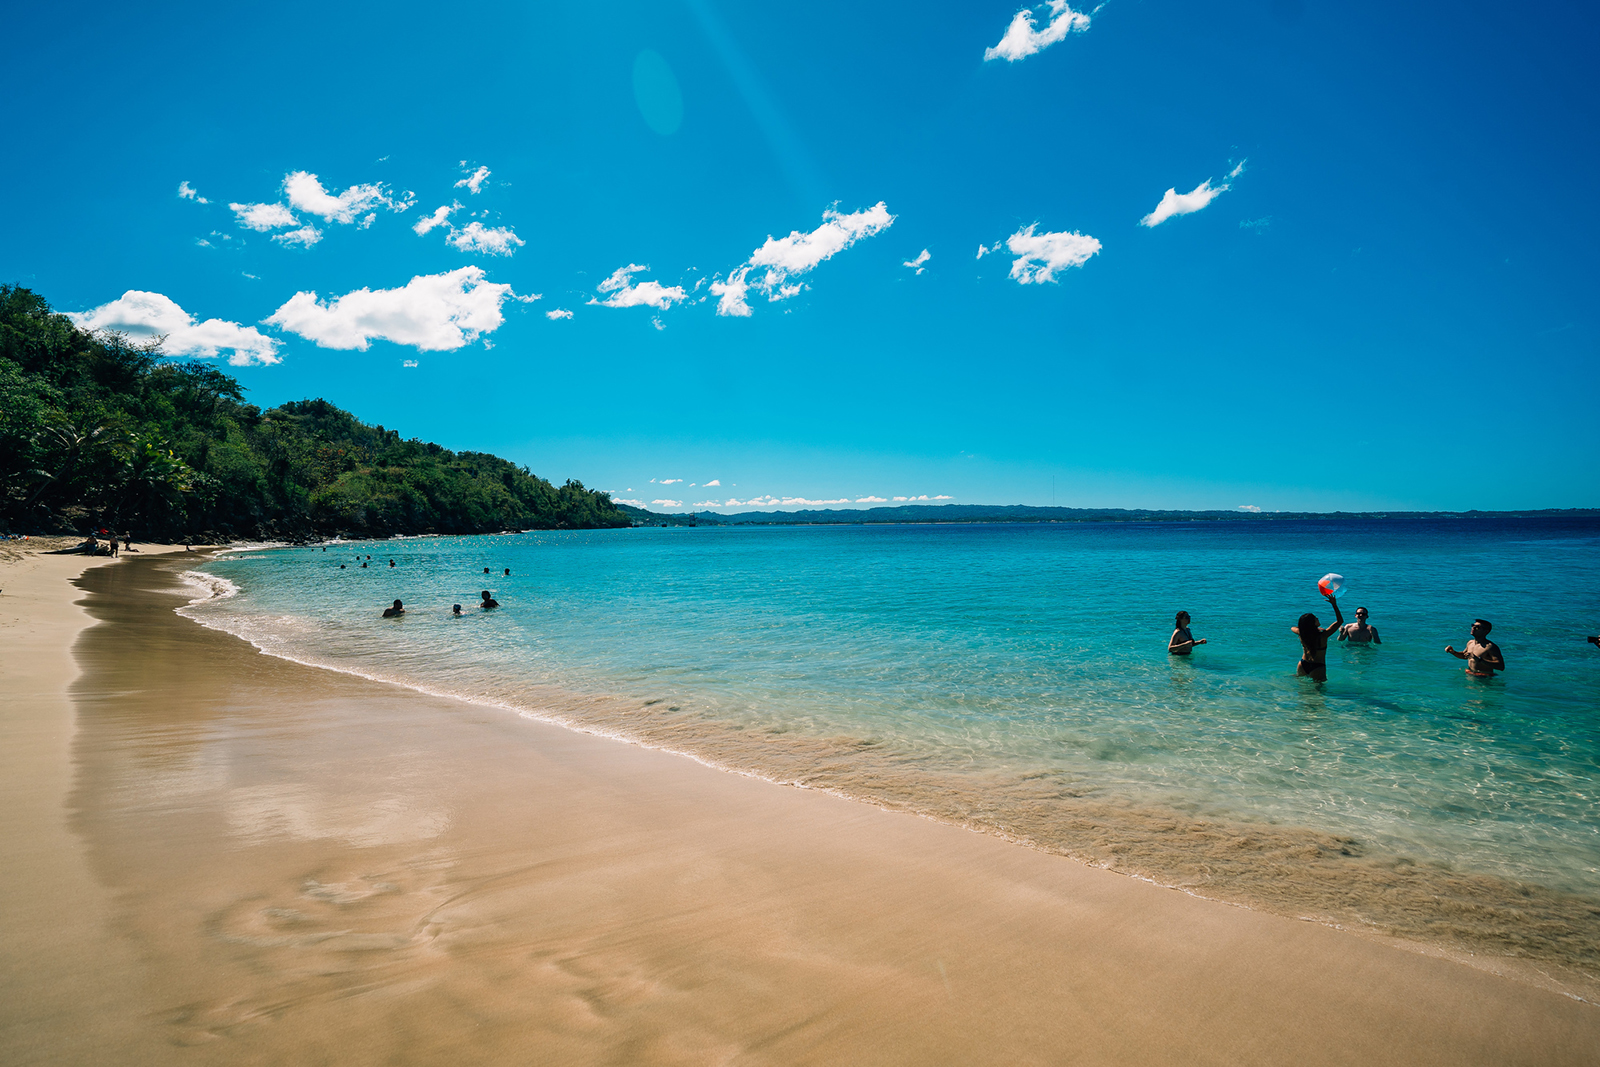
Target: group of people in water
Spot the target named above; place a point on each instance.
(486, 599)
(1483, 656)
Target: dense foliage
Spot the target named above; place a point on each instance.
(96, 430)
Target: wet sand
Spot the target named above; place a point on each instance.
(215, 856)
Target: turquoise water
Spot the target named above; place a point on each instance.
(1002, 674)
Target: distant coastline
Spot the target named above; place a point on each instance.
(1023, 513)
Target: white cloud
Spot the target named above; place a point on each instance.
(984, 251)
(630, 503)
(668, 503)
(147, 315)
(439, 217)
(917, 264)
(475, 237)
(305, 237)
(187, 192)
(899, 498)
(1041, 255)
(306, 193)
(557, 313)
(408, 363)
(800, 252)
(870, 500)
(625, 294)
(1023, 37)
(732, 294)
(668, 481)
(433, 312)
(366, 223)
(715, 482)
(474, 181)
(1176, 203)
(264, 217)
(707, 504)
(943, 497)
(1250, 508)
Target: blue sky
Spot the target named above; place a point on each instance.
(1372, 286)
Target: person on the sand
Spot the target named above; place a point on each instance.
(1182, 642)
(1483, 656)
(1359, 632)
(394, 612)
(1314, 642)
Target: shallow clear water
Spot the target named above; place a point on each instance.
(891, 661)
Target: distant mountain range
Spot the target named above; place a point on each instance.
(961, 513)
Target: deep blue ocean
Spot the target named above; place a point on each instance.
(921, 663)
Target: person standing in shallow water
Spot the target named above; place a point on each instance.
(1314, 642)
(394, 612)
(1359, 632)
(1483, 656)
(488, 601)
(1182, 641)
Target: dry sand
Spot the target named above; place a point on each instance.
(214, 856)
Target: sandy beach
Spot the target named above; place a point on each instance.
(215, 856)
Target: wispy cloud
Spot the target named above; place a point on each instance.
(625, 293)
(474, 181)
(1023, 37)
(1040, 256)
(305, 237)
(263, 217)
(433, 312)
(305, 193)
(440, 217)
(408, 363)
(187, 192)
(668, 503)
(148, 315)
(715, 483)
(630, 503)
(557, 313)
(917, 264)
(798, 253)
(475, 237)
(871, 500)
(1176, 203)
(732, 294)
(667, 481)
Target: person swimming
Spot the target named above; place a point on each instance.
(488, 601)
(391, 563)
(455, 609)
(508, 572)
(394, 612)
(1359, 632)
(1182, 641)
(1483, 656)
(1314, 642)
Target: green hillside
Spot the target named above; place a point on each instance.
(98, 431)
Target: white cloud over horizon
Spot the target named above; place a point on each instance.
(1040, 256)
(148, 315)
(431, 312)
(626, 294)
(1024, 38)
(474, 181)
(1176, 203)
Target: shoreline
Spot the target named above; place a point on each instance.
(298, 860)
(1546, 936)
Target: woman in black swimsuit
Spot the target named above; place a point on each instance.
(1314, 642)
